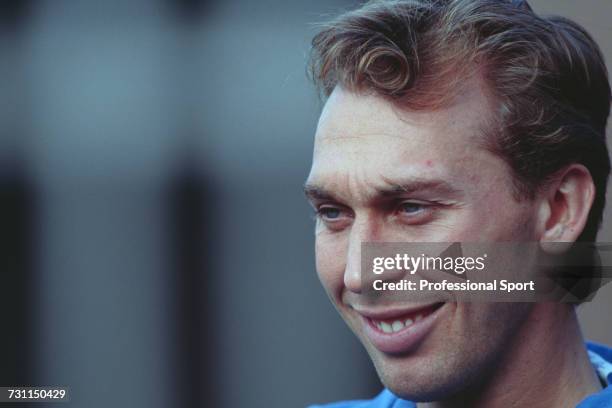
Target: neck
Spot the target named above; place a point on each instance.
(546, 365)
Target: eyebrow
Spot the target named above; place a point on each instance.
(314, 192)
(393, 189)
(414, 185)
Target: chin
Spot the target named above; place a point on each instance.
(419, 381)
(431, 376)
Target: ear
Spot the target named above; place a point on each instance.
(565, 207)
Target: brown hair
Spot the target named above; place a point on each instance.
(546, 74)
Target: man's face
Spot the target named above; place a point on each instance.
(389, 175)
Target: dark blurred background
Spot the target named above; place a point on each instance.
(156, 249)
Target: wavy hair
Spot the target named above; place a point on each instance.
(546, 75)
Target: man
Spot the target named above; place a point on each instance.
(451, 121)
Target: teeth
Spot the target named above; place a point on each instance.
(397, 326)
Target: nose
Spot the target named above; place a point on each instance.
(352, 271)
(361, 231)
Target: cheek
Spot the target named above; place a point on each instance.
(497, 217)
(485, 327)
(330, 254)
(513, 222)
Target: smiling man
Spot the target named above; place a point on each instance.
(461, 121)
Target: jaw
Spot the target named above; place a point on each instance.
(471, 339)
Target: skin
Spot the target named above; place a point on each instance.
(381, 173)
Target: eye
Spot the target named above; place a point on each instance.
(333, 218)
(410, 207)
(414, 212)
(328, 213)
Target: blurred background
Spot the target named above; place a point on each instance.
(156, 248)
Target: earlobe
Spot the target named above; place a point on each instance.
(565, 209)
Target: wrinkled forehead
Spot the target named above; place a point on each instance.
(364, 144)
(348, 114)
(370, 129)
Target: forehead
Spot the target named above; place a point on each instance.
(348, 114)
(365, 137)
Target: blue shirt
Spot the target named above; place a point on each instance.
(600, 356)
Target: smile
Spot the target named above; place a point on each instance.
(399, 331)
(396, 325)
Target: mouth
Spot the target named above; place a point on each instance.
(400, 331)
